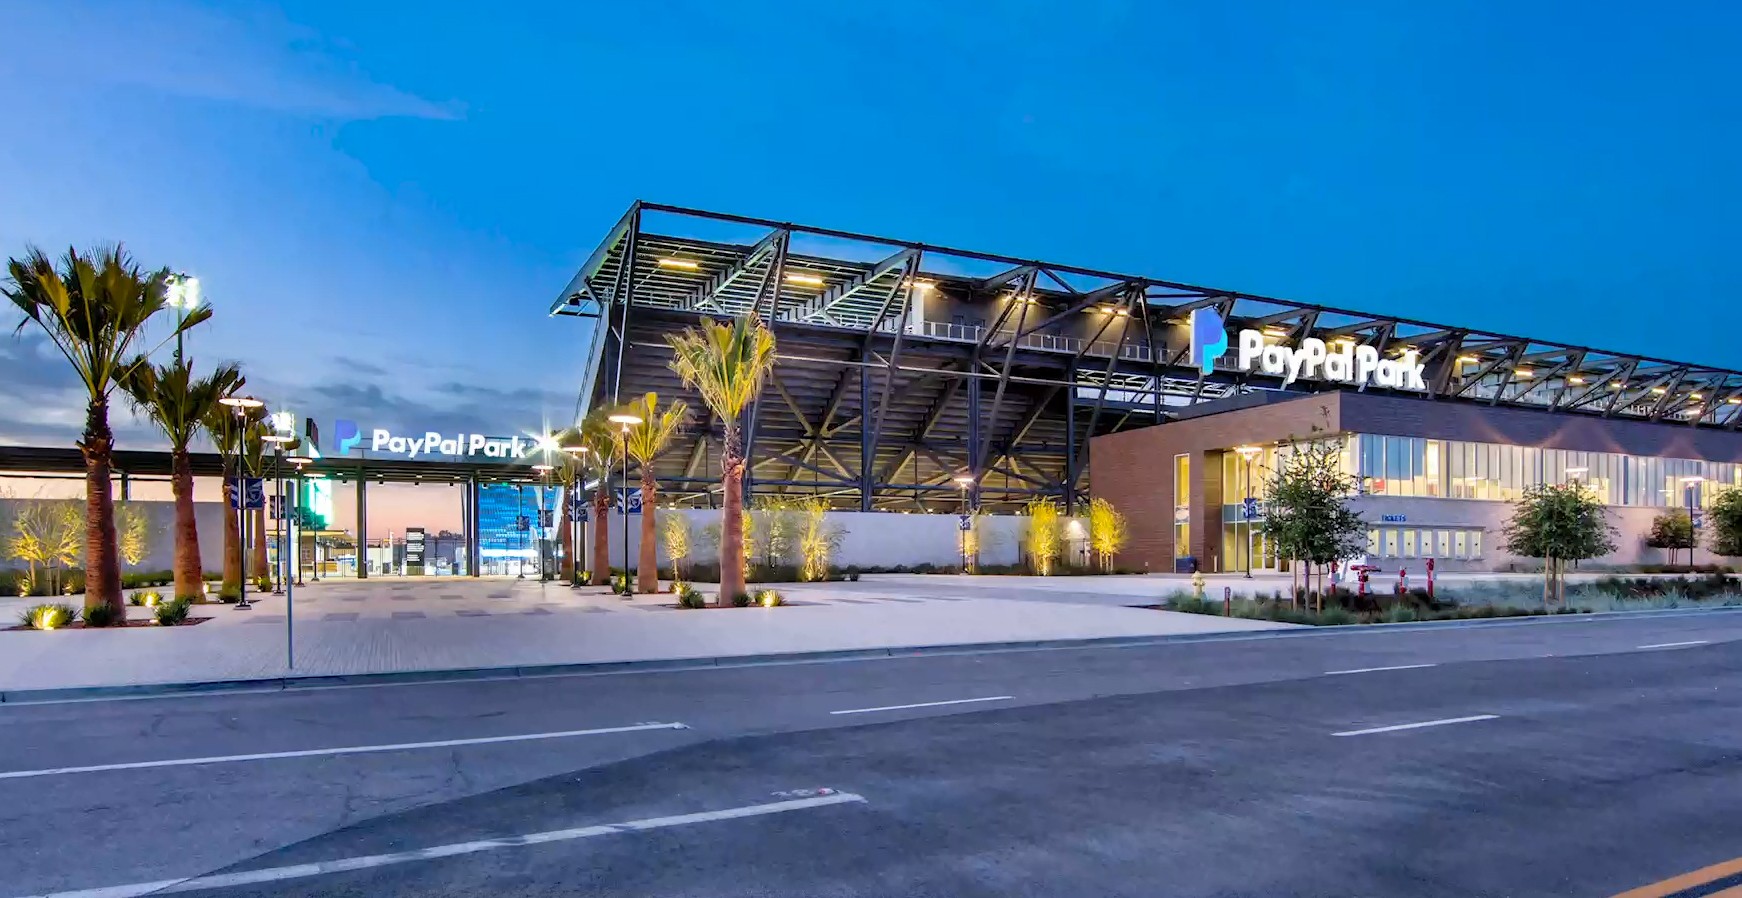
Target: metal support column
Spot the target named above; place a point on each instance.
(474, 539)
(362, 526)
(1071, 440)
(974, 457)
(867, 443)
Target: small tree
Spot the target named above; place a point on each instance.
(132, 532)
(977, 538)
(817, 539)
(1672, 530)
(780, 522)
(1307, 516)
(46, 534)
(674, 532)
(1108, 531)
(1558, 523)
(1724, 519)
(1045, 537)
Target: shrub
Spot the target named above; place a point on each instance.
(229, 593)
(853, 573)
(688, 596)
(741, 600)
(769, 598)
(103, 616)
(49, 616)
(147, 598)
(620, 585)
(1398, 614)
(171, 613)
(263, 583)
(1337, 615)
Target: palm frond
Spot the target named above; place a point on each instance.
(651, 437)
(726, 364)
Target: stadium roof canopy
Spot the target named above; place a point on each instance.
(904, 367)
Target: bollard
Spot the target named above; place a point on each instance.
(1430, 578)
(1402, 580)
(1227, 601)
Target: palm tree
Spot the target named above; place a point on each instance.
(227, 430)
(727, 365)
(646, 441)
(94, 308)
(600, 438)
(179, 405)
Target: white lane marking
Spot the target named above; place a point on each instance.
(345, 865)
(1671, 645)
(347, 750)
(1334, 673)
(955, 701)
(1417, 726)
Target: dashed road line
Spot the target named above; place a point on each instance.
(364, 862)
(1673, 645)
(1416, 726)
(347, 750)
(955, 701)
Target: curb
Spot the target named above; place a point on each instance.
(514, 672)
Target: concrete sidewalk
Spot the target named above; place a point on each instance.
(388, 626)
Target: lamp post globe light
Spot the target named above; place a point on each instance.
(628, 421)
(241, 406)
(575, 451)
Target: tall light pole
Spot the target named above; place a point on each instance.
(300, 462)
(1691, 490)
(278, 441)
(628, 421)
(543, 470)
(575, 451)
(183, 296)
(241, 406)
(966, 482)
(1247, 454)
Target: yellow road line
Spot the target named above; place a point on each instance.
(1687, 881)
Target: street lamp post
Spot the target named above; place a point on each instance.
(1248, 453)
(1691, 491)
(543, 470)
(628, 421)
(278, 441)
(300, 462)
(966, 482)
(575, 451)
(241, 405)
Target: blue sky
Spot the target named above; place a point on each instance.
(382, 199)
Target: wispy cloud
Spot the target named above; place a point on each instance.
(249, 56)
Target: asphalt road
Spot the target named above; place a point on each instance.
(1577, 757)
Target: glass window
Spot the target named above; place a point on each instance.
(1410, 543)
(1373, 542)
(1388, 542)
(1460, 544)
(1443, 543)
(1475, 544)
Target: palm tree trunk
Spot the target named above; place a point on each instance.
(232, 540)
(601, 560)
(102, 555)
(258, 565)
(732, 515)
(566, 531)
(647, 578)
(188, 571)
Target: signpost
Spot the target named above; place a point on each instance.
(629, 500)
(251, 494)
(414, 551)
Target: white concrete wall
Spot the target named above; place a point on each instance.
(1631, 524)
(869, 539)
(160, 543)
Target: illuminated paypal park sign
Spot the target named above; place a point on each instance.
(1313, 359)
(382, 441)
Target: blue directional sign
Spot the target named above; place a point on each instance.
(251, 495)
(629, 500)
(966, 523)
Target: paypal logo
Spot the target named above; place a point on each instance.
(1209, 339)
(345, 436)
